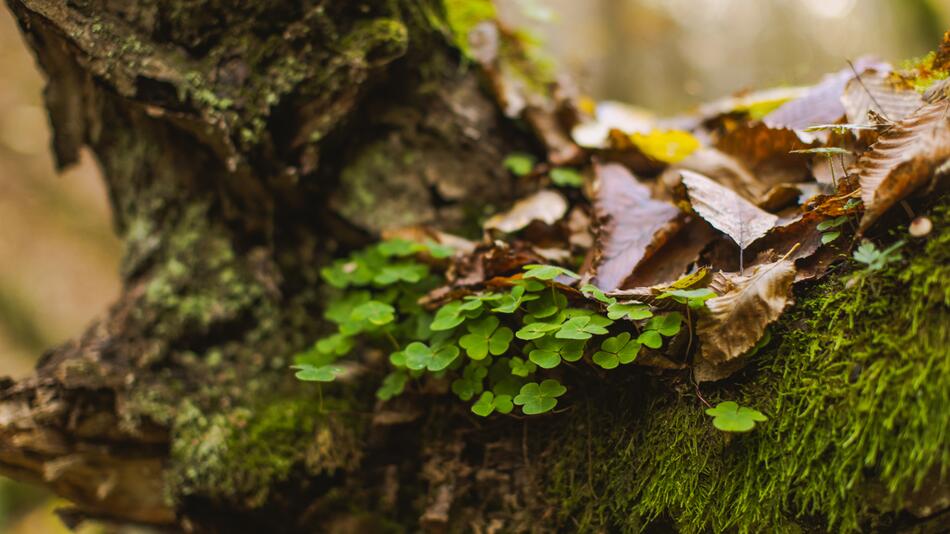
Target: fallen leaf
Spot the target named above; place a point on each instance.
(726, 211)
(903, 159)
(670, 146)
(675, 256)
(632, 224)
(546, 206)
(821, 104)
(875, 92)
(746, 305)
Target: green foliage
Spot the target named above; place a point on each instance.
(313, 373)
(825, 227)
(485, 337)
(519, 163)
(694, 298)
(547, 272)
(617, 350)
(730, 417)
(537, 398)
(488, 402)
(566, 177)
(509, 335)
(874, 259)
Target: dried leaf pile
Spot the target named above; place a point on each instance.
(738, 201)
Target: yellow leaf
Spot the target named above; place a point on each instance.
(671, 146)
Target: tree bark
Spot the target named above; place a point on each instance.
(242, 142)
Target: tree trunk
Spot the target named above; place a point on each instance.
(244, 143)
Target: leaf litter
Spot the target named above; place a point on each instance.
(695, 228)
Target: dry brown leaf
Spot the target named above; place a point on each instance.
(821, 104)
(903, 159)
(726, 211)
(875, 92)
(720, 167)
(746, 305)
(546, 206)
(632, 224)
(675, 257)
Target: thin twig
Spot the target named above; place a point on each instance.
(860, 81)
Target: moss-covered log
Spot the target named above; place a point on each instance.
(243, 143)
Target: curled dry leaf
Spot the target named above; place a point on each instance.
(546, 206)
(904, 158)
(726, 211)
(632, 224)
(746, 305)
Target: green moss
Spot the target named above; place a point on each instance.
(241, 453)
(857, 388)
(462, 16)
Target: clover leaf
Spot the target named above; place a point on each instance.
(634, 311)
(519, 163)
(313, 373)
(694, 298)
(337, 344)
(536, 330)
(668, 325)
(875, 259)
(401, 272)
(471, 382)
(547, 272)
(421, 356)
(399, 247)
(547, 305)
(617, 350)
(566, 177)
(550, 351)
(455, 313)
(832, 223)
(730, 417)
(374, 311)
(394, 384)
(583, 327)
(537, 398)
(488, 402)
(510, 302)
(521, 367)
(590, 290)
(828, 237)
(650, 338)
(486, 337)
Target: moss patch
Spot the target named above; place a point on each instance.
(857, 388)
(240, 454)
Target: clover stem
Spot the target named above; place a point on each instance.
(831, 163)
(689, 330)
(391, 339)
(320, 395)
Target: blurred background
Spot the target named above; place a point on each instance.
(59, 259)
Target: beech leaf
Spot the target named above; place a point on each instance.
(631, 224)
(546, 206)
(726, 211)
(903, 159)
(746, 306)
